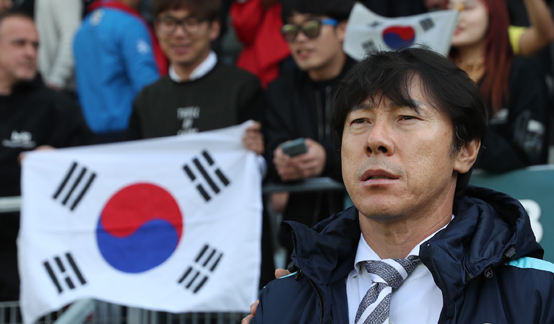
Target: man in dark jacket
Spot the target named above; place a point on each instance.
(32, 117)
(200, 93)
(410, 124)
(301, 105)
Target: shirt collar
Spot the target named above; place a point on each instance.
(366, 253)
(201, 70)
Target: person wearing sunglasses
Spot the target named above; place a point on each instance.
(301, 104)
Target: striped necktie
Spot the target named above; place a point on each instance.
(375, 306)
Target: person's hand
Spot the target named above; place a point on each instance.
(253, 138)
(302, 166)
(287, 170)
(39, 148)
(278, 274)
(253, 308)
(312, 163)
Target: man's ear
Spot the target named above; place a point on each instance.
(466, 156)
(341, 30)
(215, 28)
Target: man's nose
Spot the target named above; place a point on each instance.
(301, 37)
(31, 50)
(180, 31)
(379, 140)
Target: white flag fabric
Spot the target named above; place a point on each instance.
(367, 32)
(170, 224)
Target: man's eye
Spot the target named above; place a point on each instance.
(358, 121)
(407, 117)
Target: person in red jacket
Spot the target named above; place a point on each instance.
(258, 25)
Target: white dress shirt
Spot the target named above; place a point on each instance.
(201, 70)
(417, 301)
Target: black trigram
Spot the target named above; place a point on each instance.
(427, 24)
(74, 186)
(206, 261)
(200, 167)
(61, 271)
(374, 24)
(369, 47)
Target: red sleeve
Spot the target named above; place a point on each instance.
(246, 18)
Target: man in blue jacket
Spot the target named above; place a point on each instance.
(115, 57)
(419, 245)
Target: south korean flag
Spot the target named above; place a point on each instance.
(170, 224)
(367, 32)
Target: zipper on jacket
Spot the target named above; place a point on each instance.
(319, 298)
(440, 285)
(319, 116)
(328, 102)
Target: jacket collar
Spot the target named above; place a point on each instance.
(488, 226)
(303, 78)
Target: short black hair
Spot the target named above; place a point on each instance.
(205, 9)
(389, 74)
(336, 9)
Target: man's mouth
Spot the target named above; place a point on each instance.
(378, 175)
(303, 51)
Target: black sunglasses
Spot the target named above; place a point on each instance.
(310, 28)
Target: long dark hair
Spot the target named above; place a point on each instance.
(498, 54)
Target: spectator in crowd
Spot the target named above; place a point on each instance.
(32, 117)
(301, 105)
(115, 57)
(528, 40)
(419, 245)
(257, 24)
(513, 88)
(57, 21)
(200, 93)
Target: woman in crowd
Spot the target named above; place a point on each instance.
(513, 88)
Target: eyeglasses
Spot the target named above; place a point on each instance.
(310, 28)
(191, 25)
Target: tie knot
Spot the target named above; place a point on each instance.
(392, 271)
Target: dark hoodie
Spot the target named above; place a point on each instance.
(486, 262)
(300, 107)
(31, 116)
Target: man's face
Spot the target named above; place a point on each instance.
(320, 52)
(18, 49)
(188, 45)
(472, 25)
(398, 163)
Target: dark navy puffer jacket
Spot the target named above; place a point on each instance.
(486, 262)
